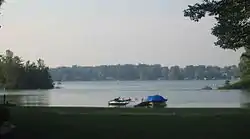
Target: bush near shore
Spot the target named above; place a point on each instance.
(243, 84)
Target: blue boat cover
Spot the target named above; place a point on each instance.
(156, 98)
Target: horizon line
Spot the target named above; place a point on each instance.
(206, 65)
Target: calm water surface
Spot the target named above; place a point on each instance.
(179, 94)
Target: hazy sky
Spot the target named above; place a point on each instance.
(94, 32)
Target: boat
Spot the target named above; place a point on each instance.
(143, 104)
(57, 85)
(119, 102)
(207, 88)
(155, 101)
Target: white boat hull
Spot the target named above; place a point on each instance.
(116, 103)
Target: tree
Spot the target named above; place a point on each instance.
(232, 16)
(14, 74)
(244, 65)
(175, 73)
(189, 72)
(1, 2)
(165, 72)
(232, 28)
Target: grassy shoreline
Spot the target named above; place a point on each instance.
(118, 111)
(132, 123)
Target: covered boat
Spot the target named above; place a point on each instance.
(156, 98)
(157, 101)
(153, 101)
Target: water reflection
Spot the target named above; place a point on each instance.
(25, 99)
(181, 94)
(66, 97)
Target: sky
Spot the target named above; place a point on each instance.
(97, 32)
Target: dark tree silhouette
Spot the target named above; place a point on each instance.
(15, 74)
(232, 16)
(232, 28)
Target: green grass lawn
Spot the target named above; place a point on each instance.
(129, 123)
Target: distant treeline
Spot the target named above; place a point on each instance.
(143, 72)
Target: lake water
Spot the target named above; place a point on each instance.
(95, 94)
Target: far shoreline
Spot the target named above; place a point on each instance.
(133, 80)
